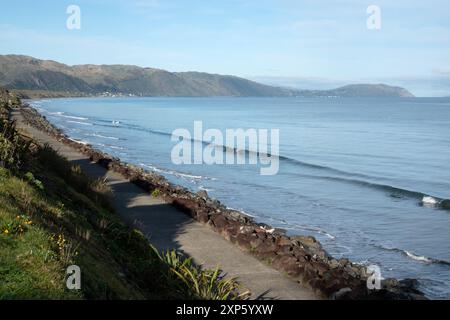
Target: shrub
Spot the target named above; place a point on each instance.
(66, 249)
(155, 193)
(101, 186)
(37, 183)
(204, 284)
(16, 226)
(13, 149)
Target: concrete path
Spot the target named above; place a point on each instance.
(168, 228)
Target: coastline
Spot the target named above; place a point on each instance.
(302, 258)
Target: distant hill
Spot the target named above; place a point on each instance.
(35, 77)
(361, 90)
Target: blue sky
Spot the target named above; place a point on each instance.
(304, 42)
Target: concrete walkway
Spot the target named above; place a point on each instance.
(168, 228)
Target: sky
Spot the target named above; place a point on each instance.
(309, 43)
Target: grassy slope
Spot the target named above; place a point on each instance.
(52, 216)
(45, 230)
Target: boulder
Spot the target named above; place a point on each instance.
(219, 222)
(283, 241)
(202, 216)
(288, 264)
(243, 240)
(268, 245)
(203, 194)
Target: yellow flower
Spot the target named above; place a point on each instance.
(6, 231)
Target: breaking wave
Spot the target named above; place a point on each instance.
(414, 256)
(80, 122)
(423, 199)
(63, 115)
(102, 136)
(178, 174)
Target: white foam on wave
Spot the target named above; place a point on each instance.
(313, 229)
(417, 258)
(427, 200)
(101, 136)
(410, 254)
(63, 115)
(72, 119)
(82, 123)
(75, 118)
(110, 146)
(115, 147)
(243, 212)
(79, 141)
(205, 189)
(192, 178)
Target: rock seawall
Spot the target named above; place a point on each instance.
(300, 257)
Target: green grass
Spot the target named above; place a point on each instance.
(29, 265)
(41, 235)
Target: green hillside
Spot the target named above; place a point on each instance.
(27, 73)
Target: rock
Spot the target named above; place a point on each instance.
(302, 259)
(202, 216)
(343, 262)
(186, 206)
(243, 241)
(285, 249)
(298, 251)
(214, 203)
(306, 240)
(333, 263)
(219, 222)
(255, 241)
(237, 216)
(288, 264)
(268, 245)
(309, 272)
(232, 228)
(261, 234)
(267, 257)
(321, 269)
(321, 255)
(246, 229)
(203, 194)
(283, 241)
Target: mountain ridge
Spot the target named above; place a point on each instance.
(28, 74)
